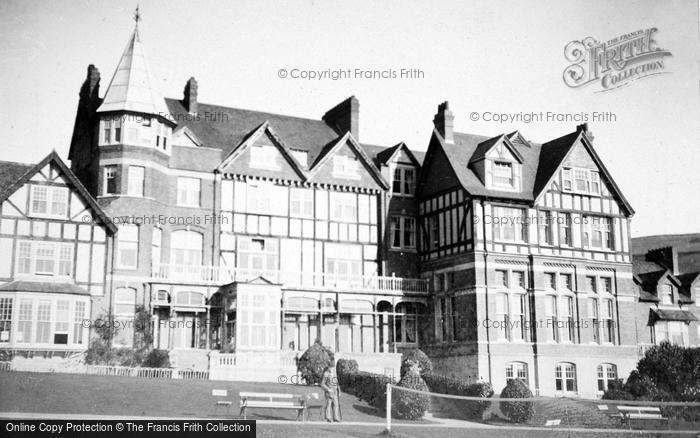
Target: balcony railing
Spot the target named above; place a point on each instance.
(313, 280)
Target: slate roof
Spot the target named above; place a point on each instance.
(43, 287)
(674, 315)
(10, 173)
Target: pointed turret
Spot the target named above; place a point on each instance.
(132, 86)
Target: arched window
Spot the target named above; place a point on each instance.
(186, 248)
(124, 302)
(190, 299)
(517, 370)
(565, 377)
(606, 373)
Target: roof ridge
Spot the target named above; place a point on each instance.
(251, 110)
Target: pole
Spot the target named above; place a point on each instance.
(388, 407)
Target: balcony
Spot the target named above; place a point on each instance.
(215, 275)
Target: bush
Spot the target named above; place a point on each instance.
(410, 405)
(313, 362)
(446, 385)
(671, 368)
(370, 388)
(157, 359)
(517, 412)
(416, 355)
(343, 368)
(98, 352)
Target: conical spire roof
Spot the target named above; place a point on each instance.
(132, 86)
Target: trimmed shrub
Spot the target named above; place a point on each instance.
(416, 355)
(616, 391)
(157, 359)
(447, 385)
(313, 362)
(343, 368)
(517, 412)
(409, 405)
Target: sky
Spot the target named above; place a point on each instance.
(485, 58)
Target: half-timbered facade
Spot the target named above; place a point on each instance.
(55, 245)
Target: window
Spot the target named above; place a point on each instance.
(78, 319)
(550, 281)
(263, 156)
(519, 279)
(404, 182)
(517, 370)
(60, 335)
(107, 131)
(501, 316)
(519, 323)
(666, 294)
(301, 203)
(565, 237)
(545, 228)
(188, 191)
(566, 282)
(5, 319)
(607, 372)
(509, 224)
(593, 312)
(258, 257)
(455, 318)
(43, 322)
(44, 258)
(675, 332)
(258, 197)
(127, 246)
(598, 232)
(608, 321)
(584, 181)
(606, 285)
(501, 278)
(503, 174)
(117, 130)
(190, 299)
(550, 312)
(403, 232)
(124, 302)
(345, 166)
(186, 249)
(565, 377)
(568, 319)
(110, 180)
(48, 201)
(136, 178)
(591, 285)
(24, 324)
(406, 321)
(301, 156)
(156, 243)
(343, 207)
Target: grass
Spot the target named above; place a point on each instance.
(100, 395)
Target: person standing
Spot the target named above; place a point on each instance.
(329, 384)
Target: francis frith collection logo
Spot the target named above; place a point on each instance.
(616, 62)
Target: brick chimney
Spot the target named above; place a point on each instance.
(584, 127)
(345, 117)
(444, 122)
(190, 96)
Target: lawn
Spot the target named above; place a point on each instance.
(100, 395)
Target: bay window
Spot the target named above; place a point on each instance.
(24, 325)
(60, 335)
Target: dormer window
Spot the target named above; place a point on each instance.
(579, 180)
(404, 183)
(503, 174)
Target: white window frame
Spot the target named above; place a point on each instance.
(189, 191)
(666, 294)
(127, 242)
(605, 372)
(405, 226)
(343, 207)
(54, 195)
(517, 370)
(602, 225)
(346, 167)
(498, 176)
(61, 258)
(110, 173)
(136, 181)
(258, 195)
(301, 203)
(563, 371)
(401, 181)
(590, 179)
(7, 305)
(505, 221)
(263, 157)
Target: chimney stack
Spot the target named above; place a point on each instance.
(93, 80)
(345, 117)
(584, 127)
(190, 98)
(667, 256)
(444, 122)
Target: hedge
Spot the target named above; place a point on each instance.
(448, 385)
(416, 356)
(517, 412)
(410, 405)
(343, 368)
(368, 387)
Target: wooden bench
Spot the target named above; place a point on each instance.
(221, 393)
(265, 400)
(629, 413)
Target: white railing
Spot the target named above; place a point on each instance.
(192, 375)
(313, 280)
(109, 370)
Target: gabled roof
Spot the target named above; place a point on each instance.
(485, 146)
(10, 173)
(9, 187)
(330, 149)
(388, 154)
(132, 87)
(250, 139)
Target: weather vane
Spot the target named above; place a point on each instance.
(137, 16)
